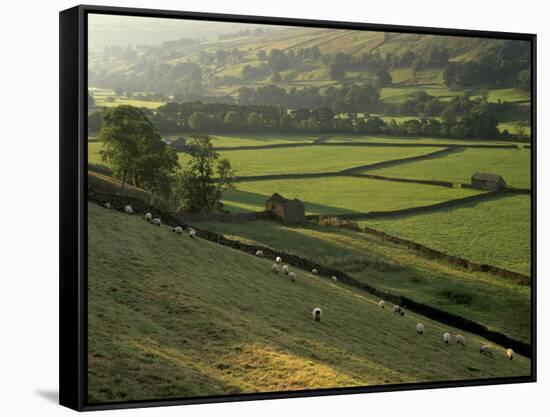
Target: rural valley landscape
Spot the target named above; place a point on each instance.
(276, 209)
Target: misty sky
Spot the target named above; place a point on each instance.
(109, 30)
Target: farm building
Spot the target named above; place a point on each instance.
(489, 182)
(180, 144)
(289, 211)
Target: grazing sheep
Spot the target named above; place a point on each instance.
(128, 209)
(192, 233)
(292, 276)
(382, 304)
(148, 217)
(419, 328)
(178, 230)
(486, 350)
(460, 340)
(275, 268)
(107, 205)
(314, 271)
(259, 253)
(398, 310)
(335, 278)
(447, 338)
(156, 222)
(317, 313)
(510, 354)
(278, 259)
(285, 269)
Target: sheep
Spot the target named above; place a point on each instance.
(285, 269)
(148, 217)
(156, 222)
(460, 340)
(382, 304)
(486, 350)
(314, 271)
(398, 310)
(419, 328)
(192, 233)
(335, 278)
(107, 205)
(292, 276)
(317, 313)
(178, 230)
(278, 259)
(447, 338)
(128, 209)
(510, 354)
(275, 268)
(259, 253)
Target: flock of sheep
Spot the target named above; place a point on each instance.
(317, 312)
(397, 310)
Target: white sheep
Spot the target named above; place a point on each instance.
(107, 205)
(460, 340)
(178, 230)
(285, 269)
(128, 209)
(314, 271)
(335, 278)
(278, 259)
(419, 328)
(447, 338)
(292, 276)
(192, 233)
(382, 304)
(156, 222)
(275, 268)
(148, 217)
(510, 354)
(259, 253)
(486, 350)
(398, 310)
(317, 313)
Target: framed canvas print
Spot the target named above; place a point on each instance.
(257, 208)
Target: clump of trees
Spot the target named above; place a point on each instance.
(138, 156)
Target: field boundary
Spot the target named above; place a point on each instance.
(118, 203)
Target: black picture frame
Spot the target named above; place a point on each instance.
(73, 209)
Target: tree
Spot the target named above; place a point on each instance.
(261, 55)
(135, 150)
(118, 91)
(196, 189)
(337, 72)
(383, 77)
(91, 100)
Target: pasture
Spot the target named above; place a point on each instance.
(340, 195)
(459, 166)
(496, 302)
(174, 317)
(412, 140)
(496, 232)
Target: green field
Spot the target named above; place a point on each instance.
(414, 139)
(458, 167)
(496, 232)
(313, 159)
(170, 317)
(257, 139)
(510, 95)
(500, 304)
(395, 95)
(339, 195)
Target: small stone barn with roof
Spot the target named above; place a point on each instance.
(179, 145)
(489, 182)
(289, 211)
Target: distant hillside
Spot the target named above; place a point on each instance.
(174, 317)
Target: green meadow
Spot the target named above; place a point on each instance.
(174, 317)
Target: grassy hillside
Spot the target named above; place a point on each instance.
(496, 302)
(175, 317)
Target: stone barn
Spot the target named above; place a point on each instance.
(179, 145)
(489, 182)
(289, 211)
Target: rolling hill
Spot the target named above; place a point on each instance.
(170, 316)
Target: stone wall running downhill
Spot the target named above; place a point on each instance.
(140, 208)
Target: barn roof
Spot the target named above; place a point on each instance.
(483, 176)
